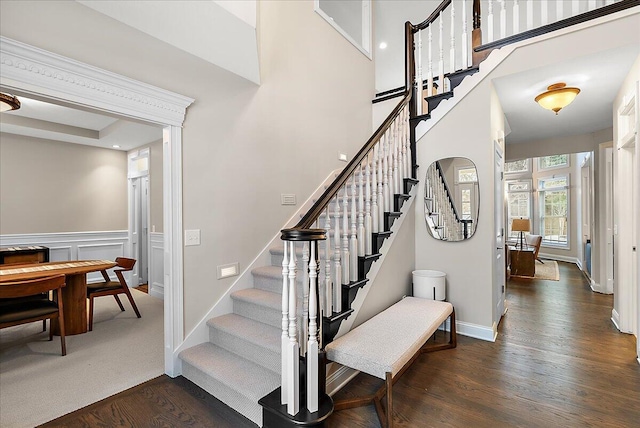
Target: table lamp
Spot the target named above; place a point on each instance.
(520, 225)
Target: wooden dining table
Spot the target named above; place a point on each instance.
(74, 294)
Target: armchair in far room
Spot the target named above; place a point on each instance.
(535, 241)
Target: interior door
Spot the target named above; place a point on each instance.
(143, 255)
(609, 219)
(136, 227)
(585, 176)
(499, 268)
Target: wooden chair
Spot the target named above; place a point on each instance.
(25, 303)
(112, 288)
(534, 241)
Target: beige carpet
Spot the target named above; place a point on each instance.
(37, 384)
(548, 271)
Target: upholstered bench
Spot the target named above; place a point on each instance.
(387, 344)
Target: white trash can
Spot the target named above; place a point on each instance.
(429, 284)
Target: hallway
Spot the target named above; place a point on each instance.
(558, 361)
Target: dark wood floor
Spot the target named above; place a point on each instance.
(557, 361)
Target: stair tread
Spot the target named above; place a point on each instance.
(259, 297)
(248, 378)
(255, 332)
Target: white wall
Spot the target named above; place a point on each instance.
(243, 145)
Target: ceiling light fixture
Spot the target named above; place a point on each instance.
(115, 146)
(8, 102)
(383, 45)
(557, 97)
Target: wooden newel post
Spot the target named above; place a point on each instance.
(476, 34)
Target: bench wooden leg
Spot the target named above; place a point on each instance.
(453, 341)
(385, 415)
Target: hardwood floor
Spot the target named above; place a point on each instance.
(558, 361)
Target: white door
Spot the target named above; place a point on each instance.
(585, 212)
(609, 218)
(139, 200)
(499, 268)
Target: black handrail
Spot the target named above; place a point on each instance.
(446, 188)
(434, 15)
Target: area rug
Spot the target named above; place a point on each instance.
(548, 271)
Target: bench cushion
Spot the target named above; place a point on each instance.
(386, 342)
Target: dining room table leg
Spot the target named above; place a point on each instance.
(74, 300)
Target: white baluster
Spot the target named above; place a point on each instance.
(408, 145)
(285, 324)
(503, 19)
(385, 168)
(575, 7)
(312, 344)
(452, 35)
(389, 173)
(328, 288)
(490, 30)
(464, 55)
(303, 327)
(440, 40)
(346, 258)
(337, 289)
(361, 236)
(516, 17)
(381, 203)
(293, 349)
(374, 190)
(353, 248)
(430, 65)
(559, 9)
(544, 12)
(396, 140)
(367, 208)
(401, 141)
(530, 14)
(419, 79)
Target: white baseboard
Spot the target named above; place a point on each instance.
(339, 378)
(615, 318)
(476, 331)
(595, 287)
(558, 258)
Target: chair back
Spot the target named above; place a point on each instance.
(534, 241)
(31, 287)
(125, 264)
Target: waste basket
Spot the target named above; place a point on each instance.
(429, 284)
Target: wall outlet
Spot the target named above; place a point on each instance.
(342, 157)
(191, 237)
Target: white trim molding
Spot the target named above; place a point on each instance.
(476, 331)
(615, 319)
(29, 70)
(33, 70)
(156, 265)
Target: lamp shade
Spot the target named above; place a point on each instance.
(520, 225)
(557, 97)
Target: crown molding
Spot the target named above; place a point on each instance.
(28, 69)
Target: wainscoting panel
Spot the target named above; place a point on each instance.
(156, 265)
(76, 246)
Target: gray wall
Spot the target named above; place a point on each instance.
(49, 186)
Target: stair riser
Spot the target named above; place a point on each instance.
(274, 285)
(267, 358)
(259, 313)
(277, 256)
(232, 398)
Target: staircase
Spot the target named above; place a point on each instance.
(265, 359)
(241, 363)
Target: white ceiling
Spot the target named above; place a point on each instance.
(39, 119)
(599, 78)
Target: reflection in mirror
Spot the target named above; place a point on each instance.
(452, 199)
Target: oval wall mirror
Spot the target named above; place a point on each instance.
(452, 199)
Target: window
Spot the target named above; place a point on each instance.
(467, 175)
(554, 210)
(517, 166)
(352, 19)
(518, 202)
(551, 162)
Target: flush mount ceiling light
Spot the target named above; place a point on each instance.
(8, 102)
(557, 97)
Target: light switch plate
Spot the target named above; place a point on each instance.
(191, 237)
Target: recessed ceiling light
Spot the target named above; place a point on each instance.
(115, 146)
(383, 45)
